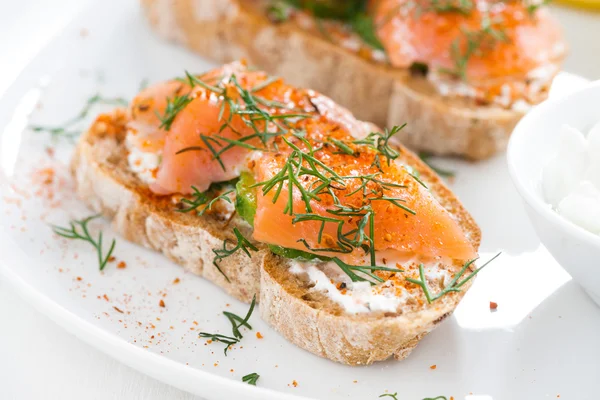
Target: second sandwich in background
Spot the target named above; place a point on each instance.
(460, 73)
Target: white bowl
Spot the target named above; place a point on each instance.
(533, 143)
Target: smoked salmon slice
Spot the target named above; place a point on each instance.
(494, 39)
(191, 121)
(325, 184)
(407, 219)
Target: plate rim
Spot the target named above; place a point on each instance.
(186, 378)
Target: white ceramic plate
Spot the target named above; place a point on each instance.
(540, 343)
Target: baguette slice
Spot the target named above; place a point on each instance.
(226, 30)
(307, 318)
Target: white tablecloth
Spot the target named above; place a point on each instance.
(38, 360)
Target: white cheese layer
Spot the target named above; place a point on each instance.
(571, 181)
(362, 297)
(143, 164)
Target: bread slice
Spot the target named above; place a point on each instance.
(313, 322)
(105, 183)
(307, 318)
(227, 30)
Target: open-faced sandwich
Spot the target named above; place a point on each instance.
(460, 73)
(353, 247)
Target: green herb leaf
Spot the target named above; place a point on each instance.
(174, 106)
(242, 244)
(235, 328)
(251, 379)
(78, 230)
(380, 141)
(452, 6)
(364, 27)
(393, 396)
(425, 157)
(453, 286)
(66, 129)
(475, 43)
(363, 269)
(534, 5)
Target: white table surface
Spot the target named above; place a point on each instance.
(38, 360)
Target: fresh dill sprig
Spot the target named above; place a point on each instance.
(477, 42)
(299, 163)
(279, 11)
(143, 84)
(202, 198)
(379, 141)
(445, 173)
(242, 244)
(229, 341)
(450, 6)
(453, 286)
(66, 129)
(198, 199)
(364, 26)
(393, 396)
(534, 5)
(364, 269)
(344, 148)
(351, 12)
(174, 106)
(251, 379)
(436, 398)
(255, 112)
(73, 232)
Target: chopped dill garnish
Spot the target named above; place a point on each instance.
(251, 379)
(393, 396)
(174, 106)
(364, 269)
(534, 5)
(67, 129)
(453, 286)
(342, 146)
(450, 6)
(380, 141)
(445, 173)
(475, 43)
(242, 244)
(73, 233)
(364, 26)
(236, 323)
(201, 198)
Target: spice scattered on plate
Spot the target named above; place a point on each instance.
(161, 303)
(433, 367)
(259, 335)
(493, 306)
(121, 265)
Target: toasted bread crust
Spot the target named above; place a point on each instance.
(104, 182)
(226, 30)
(358, 339)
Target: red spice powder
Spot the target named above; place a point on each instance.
(161, 303)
